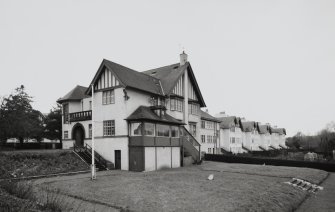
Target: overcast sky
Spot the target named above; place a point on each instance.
(268, 61)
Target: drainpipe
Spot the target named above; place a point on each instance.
(93, 161)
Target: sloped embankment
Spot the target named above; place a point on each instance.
(19, 164)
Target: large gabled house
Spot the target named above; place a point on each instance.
(143, 121)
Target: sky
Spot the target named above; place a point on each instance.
(268, 61)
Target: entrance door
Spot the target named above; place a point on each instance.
(79, 136)
(117, 154)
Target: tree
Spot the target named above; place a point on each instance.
(53, 124)
(19, 119)
(327, 141)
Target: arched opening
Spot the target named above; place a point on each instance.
(78, 134)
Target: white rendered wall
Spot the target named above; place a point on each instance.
(150, 159)
(106, 147)
(163, 157)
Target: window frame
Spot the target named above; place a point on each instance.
(106, 128)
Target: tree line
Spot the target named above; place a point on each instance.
(323, 142)
(18, 119)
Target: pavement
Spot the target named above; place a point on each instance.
(322, 201)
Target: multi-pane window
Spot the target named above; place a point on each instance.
(66, 134)
(163, 130)
(136, 129)
(203, 124)
(149, 129)
(203, 139)
(193, 129)
(232, 140)
(109, 128)
(108, 97)
(209, 150)
(209, 139)
(174, 131)
(209, 125)
(193, 109)
(177, 104)
(90, 130)
(232, 129)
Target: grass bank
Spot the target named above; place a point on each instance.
(16, 164)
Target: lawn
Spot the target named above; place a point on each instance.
(236, 187)
(15, 164)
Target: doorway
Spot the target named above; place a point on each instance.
(117, 155)
(78, 135)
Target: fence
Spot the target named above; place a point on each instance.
(330, 167)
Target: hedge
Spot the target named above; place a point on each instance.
(330, 167)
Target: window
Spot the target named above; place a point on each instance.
(82, 105)
(209, 150)
(193, 109)
(177, 104)
(203, 139)
(209, 139)
(232, 129)
(232, 140)
(163, 130)
(108, 97)
(66, 134)
(149, 129)
(193, 129)
(174, 131)
(209, 125)
(90, 130)
(90, 105)
(66, 113)
(109, 128)
(136, 129)
(203, 124)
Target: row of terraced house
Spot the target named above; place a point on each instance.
(149, 120)
(224, 133)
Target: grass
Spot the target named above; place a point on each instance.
(30, 163)
(236, 187)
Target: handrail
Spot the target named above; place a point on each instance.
(97, 156)
(194, 141)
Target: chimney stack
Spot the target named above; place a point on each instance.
(183, 58)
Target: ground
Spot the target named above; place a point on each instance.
(236, 187)
(322, 201)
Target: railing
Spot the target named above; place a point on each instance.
(88, 150)
(272, 147)
(80, 116)
(245, 148)
(192, 145)
(262, 148)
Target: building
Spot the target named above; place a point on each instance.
(231, 134)
(250, 136)
(143, 121)
(209, 133)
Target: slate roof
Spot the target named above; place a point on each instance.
(206, 116)
(144, 113)
(263, 129)
(280, 131)
(131, 78)
(228, 122)
(76, 94)
(248, 126)
(169, 76)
